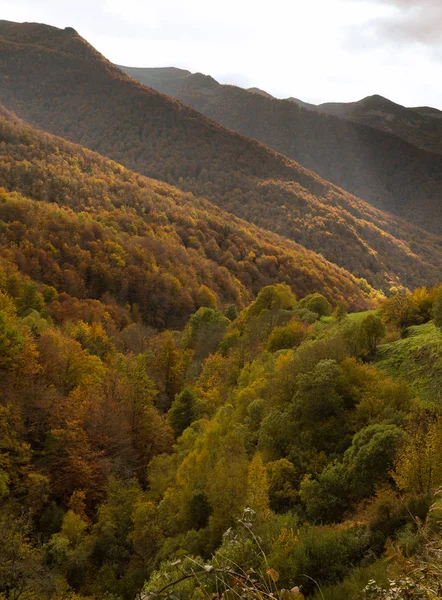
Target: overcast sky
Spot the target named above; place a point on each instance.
(315, 50)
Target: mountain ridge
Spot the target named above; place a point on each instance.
(378, 166)
(93, 103)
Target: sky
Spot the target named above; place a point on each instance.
(315, 50)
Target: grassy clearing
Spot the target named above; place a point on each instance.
(417, 359)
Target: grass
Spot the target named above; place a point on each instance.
(351, 587)
(416, 359)
(356, 316)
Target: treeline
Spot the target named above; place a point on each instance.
(127, 454)
(74, 92)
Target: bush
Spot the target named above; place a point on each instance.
(322, 554)
(316, 303)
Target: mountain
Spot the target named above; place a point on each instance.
(302, 103)
(55, 80)
(379, 167)
(92, 229)
(420, 126)
(258, 91)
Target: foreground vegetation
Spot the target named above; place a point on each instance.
(248, 452)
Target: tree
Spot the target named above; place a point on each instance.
(272, 297)
(370, 458)
(206, 297)
(283, 482)
(258, 489)
(231, 312)
(373, 331)
(22, 570)
(318, 397)
(287, 336)
(316, 303)
(204, 332)
(326, 498)
(340, 310)
(418, 466)
(183, 411)
(400, 310)
(11, 342)
(30, 299)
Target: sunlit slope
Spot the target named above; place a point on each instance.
(55, 80)
(91, 228)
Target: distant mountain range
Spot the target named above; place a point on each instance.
(421, 126)
(386, 154)
(54, 80)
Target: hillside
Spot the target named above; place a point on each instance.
(92, 229)
(420, 126)
(377, 166)
(241, 454)
(416, 359)
(54, 80)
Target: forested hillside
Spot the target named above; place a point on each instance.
(382, 169)
(55, 80)
(100, 231)
(254, 453)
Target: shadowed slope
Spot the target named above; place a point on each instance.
(379, 167)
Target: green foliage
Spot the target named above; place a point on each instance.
(325, 499)
(183, 411)
(340, 311)
(373, 331)
(370, 457)
(272, 298)
(288, 336)
(317, 555)
(316, 303)
(30, 299)
(283, 481)
(11, 342)
(318, 396)
(231, 312)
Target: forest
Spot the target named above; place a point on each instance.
(244, 423)
(220, 375)
(254, 451)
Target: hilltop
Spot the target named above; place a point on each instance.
(378, 166)
(56, 81)
(419, 126)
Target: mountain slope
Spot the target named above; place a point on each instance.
(56, 81)
(92, 229)
(377, 166)
(420, 126)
